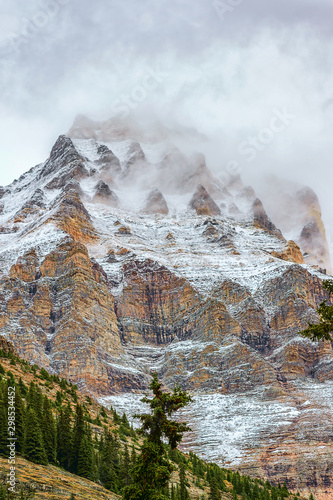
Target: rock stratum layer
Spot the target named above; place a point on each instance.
(119, 258)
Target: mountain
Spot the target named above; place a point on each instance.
(114, 446)
(122, 254)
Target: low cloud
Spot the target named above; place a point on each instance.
(222, 68)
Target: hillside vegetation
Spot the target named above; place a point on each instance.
(67, 444)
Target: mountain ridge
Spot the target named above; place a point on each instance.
(209, 292)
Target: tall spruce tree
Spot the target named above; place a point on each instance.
(125, 467)
(85, 457)
(19, 420)
(39, 404)
(214, 492)
(49, 431)
(31, 396)
(33, 448)
(78, 434)
(152, 471)
(64, 437)
(4, 450)
(108, 463)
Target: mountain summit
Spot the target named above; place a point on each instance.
(122, 254)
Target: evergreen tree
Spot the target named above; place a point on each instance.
(78, 433)
(125, 468)
(125, 421)
(214, 492)
(256, 491)
(322, 330)
(85, 457)
(64, 437)
(182, 479)
(152, 471)
(49, 431)
(31, 396)
(39, 404)
(19, 420)
(133, 456)
(3, 493)
(33, 448)
(4, 450)
(107, 473)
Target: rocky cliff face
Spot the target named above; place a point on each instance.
(119, 258)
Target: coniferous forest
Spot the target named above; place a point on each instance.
(55, 424)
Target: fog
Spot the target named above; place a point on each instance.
(254, 77)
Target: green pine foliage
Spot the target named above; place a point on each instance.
(324, 329)
(3, 493)
(33, 448)
(19, 420)
(184, 495)
(48, 427)
(64, 437)
(85, 457)
(152, 471)
(4, 450)
(109, 462)
(125, 469)
(214, 491)
(78, 433)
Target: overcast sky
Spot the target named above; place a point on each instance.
(227, 68)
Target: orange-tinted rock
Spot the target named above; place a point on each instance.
(292, 253)
(7, 346)
(26, 267)
(72, 217)
(153, 308)
(64, 318)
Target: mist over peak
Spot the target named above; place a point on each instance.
(221, 73)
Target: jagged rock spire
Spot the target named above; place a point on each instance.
(203, 203)
(155, 203)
